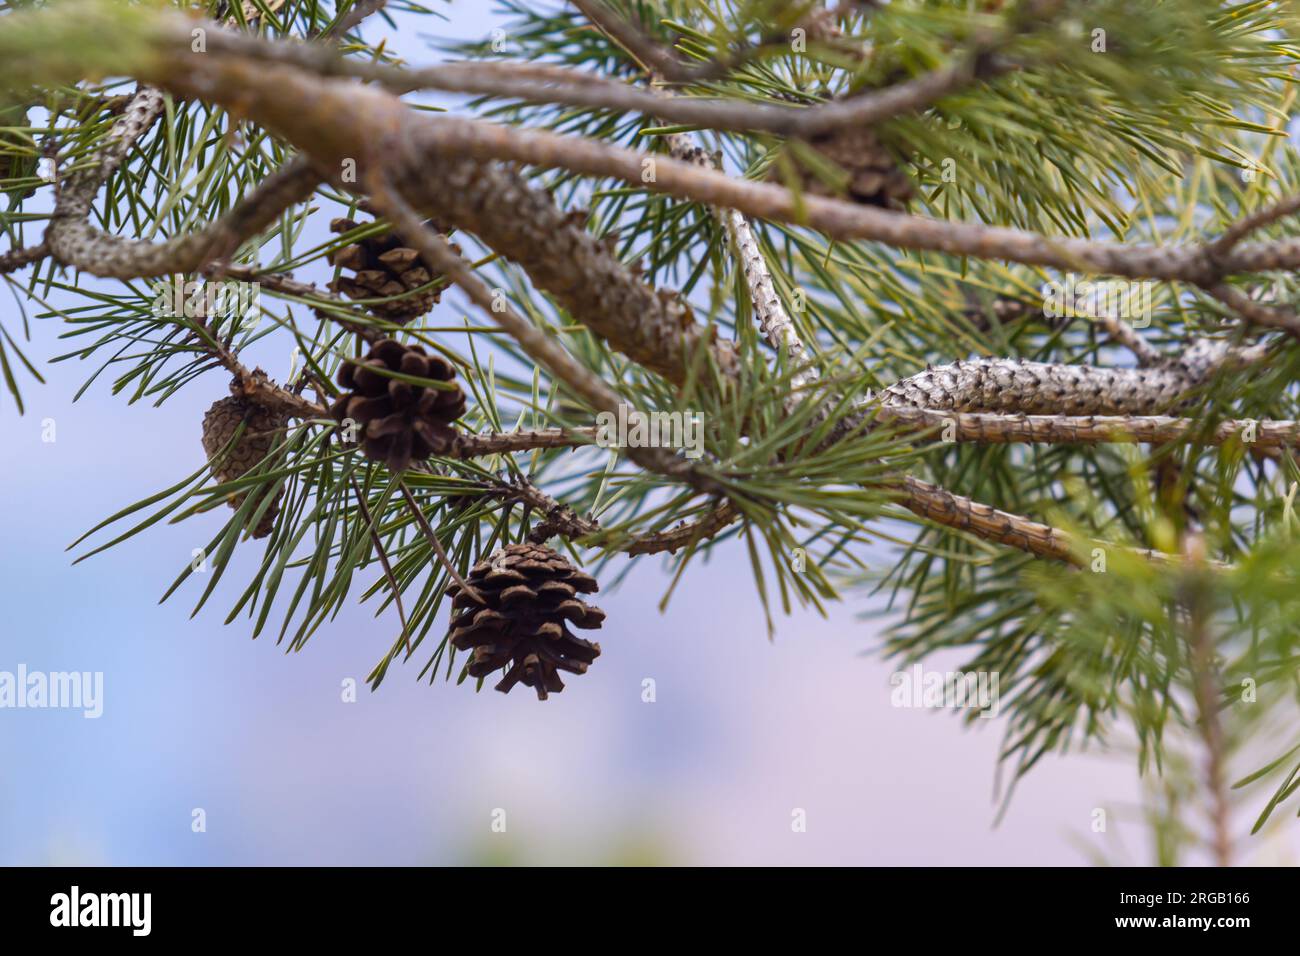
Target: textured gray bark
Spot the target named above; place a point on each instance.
(74, 242)
(525, 225)
(778, 328)
(1040, 388)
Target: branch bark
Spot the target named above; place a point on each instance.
(1040, 388)
(990, 428)
(330, 118)
(74, 242)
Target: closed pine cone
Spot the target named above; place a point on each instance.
(874, 175)
(399, 421)
(261, 429)
(531, 594)
(383, 267)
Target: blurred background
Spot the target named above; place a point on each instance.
(742, 735)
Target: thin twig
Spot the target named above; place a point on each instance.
(993, 428)
(504, 443)
(635, 41)
(541, 83)
(436, 545)
(1256, 313)
(1002, 527)
(773, 319)
(16, 259)
(74, 242)
(360, 323)
(1255, 221)
(1124, 334)
(688, 534)
(1205, 690)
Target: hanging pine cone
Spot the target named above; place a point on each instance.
(530, 592)
(261, 428)
(399, 421)
(383, 267)
(874, 175)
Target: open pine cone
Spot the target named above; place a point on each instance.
(532, 594)
(261, 427)
(399, 421)
(382, 267)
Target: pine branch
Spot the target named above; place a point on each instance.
(520, 221)
(773, 320)
(991, 428)
(441, 258)
(1041, 540)
(1254, 312)
(284, 98)
(143, 110)
(455, 136)
(686, 535)
(16, 259)
(74, 242)
(137, 118)
(795, 476)
(1038, 388)
(924, 499)
(542, 84)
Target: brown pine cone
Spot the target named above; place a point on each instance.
(261, 429)
(397, 420)
(530, 592)
(383, 267)
(875, 177)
